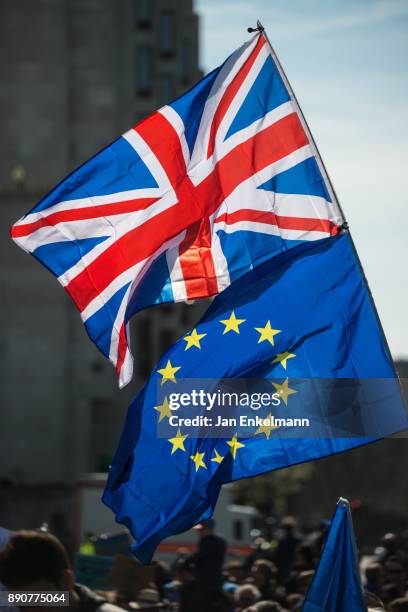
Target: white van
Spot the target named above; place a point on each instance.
(233, 522)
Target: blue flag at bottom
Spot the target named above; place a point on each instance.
(337, 584)
(303, 324)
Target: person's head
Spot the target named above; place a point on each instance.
(373, 574)
(288, 524)
(294, 601)
(304, 581)
(246, 595)
(399, 605)
(184, 569)
(304, 558)
(148, 596)
(388, 593)
(263, 571)
(372, 601)
(236, 571)
(34, 560)
(395, 572)
(389, 542)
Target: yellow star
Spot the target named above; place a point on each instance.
(168, 372)
(193, 339)
(198, 460)
(235, 445)
(266, 429)
(267, 333)
(232, 324)
(177, 442)
(218, 458)
(164, 410)
(283, 357)
(284, 390)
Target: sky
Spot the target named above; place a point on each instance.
(347, 62)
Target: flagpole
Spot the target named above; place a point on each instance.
(260, 28)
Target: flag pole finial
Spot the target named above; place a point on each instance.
(259, 28)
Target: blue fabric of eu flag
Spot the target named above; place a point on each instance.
(336, 585)
(304, 314)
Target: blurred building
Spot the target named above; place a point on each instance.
(372, 477)
(75, 74)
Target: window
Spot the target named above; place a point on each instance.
(143, 10)
(104, 422)
(143, 344)
(238, 529)
(165, 89)
(166, 33)
(166, 340)
(144, 69)
(185, 60)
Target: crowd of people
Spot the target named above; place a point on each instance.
(273, 577)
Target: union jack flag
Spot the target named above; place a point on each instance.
(186, 202)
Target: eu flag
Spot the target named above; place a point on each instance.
(303, 316)
(337, 583)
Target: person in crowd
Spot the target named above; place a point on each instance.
(184, 574)
(88, 545)
(245, 596)
(287, 545)
(294, 602)
(388, 593)
(264, 574)
(396, 574)
(149, 598)
(373, 577)
(206, 581)
(388, 546)
(162, 576)
(319, 537)
(304, 557)
(399, 605)
(208, 562)
(209, 557)
(304, 581)
(372, 601)
(236, 571)
(262, 549)
(37, 561)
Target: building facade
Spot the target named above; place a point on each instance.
(75, 74)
